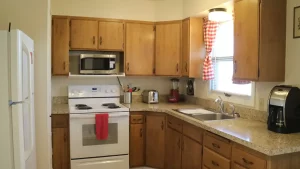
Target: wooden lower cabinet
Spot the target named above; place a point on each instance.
(137, 139)
(237, 166)
(60, 142)
(173, 149)
(155, 140)
(214, 161)
(191, 154)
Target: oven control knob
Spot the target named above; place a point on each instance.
(113, 91)
(106, 91)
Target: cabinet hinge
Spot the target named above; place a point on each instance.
(154, 28)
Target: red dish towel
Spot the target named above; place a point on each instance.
(101, 126)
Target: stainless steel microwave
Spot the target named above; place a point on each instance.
(98, 64)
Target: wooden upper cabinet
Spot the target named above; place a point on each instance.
(259, 40)
(60, 46)
(155, 141)
(168, 49)
(84, 34)
(139, 49)
(111, 36)
(136, 153)
(193, 48)
(191, 154)
(173, 149)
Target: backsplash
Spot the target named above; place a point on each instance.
(245, 112)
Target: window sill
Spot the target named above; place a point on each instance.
(244, 100)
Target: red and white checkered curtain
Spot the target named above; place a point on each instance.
(210, 31)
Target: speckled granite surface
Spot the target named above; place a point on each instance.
(250, 133)
(60, 109)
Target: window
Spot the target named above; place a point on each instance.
(222, 56)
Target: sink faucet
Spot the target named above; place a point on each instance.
(220, 103)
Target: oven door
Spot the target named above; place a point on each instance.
(83, 138)
(98, 64)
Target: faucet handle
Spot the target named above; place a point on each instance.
(233, 108)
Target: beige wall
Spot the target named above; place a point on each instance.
(196, 7)
(32, 17)
(148, 10)
(161, 84)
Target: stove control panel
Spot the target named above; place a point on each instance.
(94, 91)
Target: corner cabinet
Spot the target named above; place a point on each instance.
(139, 52)
(193, 48)
(60, 46)
(259, 40)
(168, 48)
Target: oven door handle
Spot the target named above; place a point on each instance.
(85, 116)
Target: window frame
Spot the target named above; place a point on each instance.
(230, 96)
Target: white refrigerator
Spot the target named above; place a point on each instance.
(17, 129)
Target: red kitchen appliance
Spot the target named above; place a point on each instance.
(174, 93)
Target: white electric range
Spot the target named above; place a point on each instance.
(86, 151)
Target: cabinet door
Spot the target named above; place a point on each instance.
(111, 36)
(173, 149)
(136, 148)
(191, 154)
(60, 46)
(236, 166)
(155, 141)
(139, 49)
(168, 49)
(246, 39)
(84, 34)
(60, 148)
(185, 47)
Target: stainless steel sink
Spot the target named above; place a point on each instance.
(208, 117)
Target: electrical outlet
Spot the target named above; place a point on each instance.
(261, 104)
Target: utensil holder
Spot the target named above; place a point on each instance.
(127, 97)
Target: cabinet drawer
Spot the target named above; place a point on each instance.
(136, 119)
(193, 132)
(60, 121)
(247, 160)
(214, 161)
(218, 144)
(175, 123)
(204, 167)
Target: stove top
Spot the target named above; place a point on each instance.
(95, 99)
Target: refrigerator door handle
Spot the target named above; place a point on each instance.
(11, 103)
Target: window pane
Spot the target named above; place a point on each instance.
(223, 45)
(223, 62)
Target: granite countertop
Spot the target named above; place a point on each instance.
(250, 133)
(60, 109)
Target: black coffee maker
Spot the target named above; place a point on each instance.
(284, 109)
